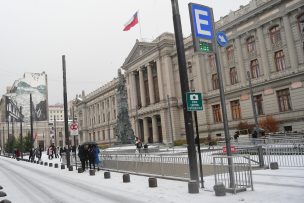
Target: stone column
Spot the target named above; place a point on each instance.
(133, 89)
(151, 85)
(241, 70)
(160, 80)
(263, 51)
(155, 129)
(146, 130)
(169, 77)
(142, 87)
(290, 43)
(201, 80)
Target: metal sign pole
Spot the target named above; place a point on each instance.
(224, 111)
(193, 186)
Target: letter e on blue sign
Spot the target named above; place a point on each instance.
(202, 20)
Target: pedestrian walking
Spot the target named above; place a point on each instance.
(91, 153)
(210, 142)
(82, 156)
(50, 152)
(38, 153)
(97, 160)
(138, 144)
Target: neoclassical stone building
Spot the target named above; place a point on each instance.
(96, 114)
(265, 40)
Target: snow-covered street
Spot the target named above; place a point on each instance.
(25, 182)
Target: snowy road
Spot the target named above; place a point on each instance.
(25, 182)
(36, 184)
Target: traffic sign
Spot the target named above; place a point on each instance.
(233, 149)
(194, 101)
(73, 129)
(202, 21)
(202, 27)
(221, 39)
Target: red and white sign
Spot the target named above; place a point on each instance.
(233, 149)
(74, 128)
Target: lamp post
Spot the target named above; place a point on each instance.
(21, 135)
(253, 104)
(170, 120)
(31, 120)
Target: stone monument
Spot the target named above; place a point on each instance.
(124, 130)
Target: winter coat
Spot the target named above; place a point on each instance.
(97, 151)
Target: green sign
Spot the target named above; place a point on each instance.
(194, 101)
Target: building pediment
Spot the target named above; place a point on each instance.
(139, 50)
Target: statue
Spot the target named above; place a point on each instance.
(124, 130)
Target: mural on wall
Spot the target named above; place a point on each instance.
(35, 84)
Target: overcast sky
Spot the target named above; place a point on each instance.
(36, 33)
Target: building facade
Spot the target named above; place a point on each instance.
(266, 41)
(96, 114)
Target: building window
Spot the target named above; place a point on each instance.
(216, 109)
(189, 65)
(258, 102)
(275, 35)
(279, 60)
(230, 53)
(215, 82)
(284, 100)
(235, 110)
(233, 76)
(255, 69)
(250, 44)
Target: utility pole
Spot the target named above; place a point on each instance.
(170, 120)
(65, 106)
(193, 186)
(55, 136)
(21, 135)
(31, 120)
(253, 105)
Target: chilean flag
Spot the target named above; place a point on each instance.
(132, 22)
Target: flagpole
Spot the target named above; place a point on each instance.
(139, 25)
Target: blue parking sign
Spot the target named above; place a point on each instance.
(202, 21)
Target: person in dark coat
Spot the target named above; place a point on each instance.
(92, 154)
(82, 156)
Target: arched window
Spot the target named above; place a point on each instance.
(250, 44)
(275, 35)
(255, 69)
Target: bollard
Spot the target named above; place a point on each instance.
(62, 166)
(45, 163)
(70, 168)
(41, 163)
(92, 172)
(50, 164)
(126, 178)
(38, 162)
(219, 189)
(1, 187)
(107, 175)
(274, 165)
(152, 182)
(80, 170)
(5, 201)
(2, 194)
(56, 165)
(34, 162)
(193, 186)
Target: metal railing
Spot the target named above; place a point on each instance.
(241, 169)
